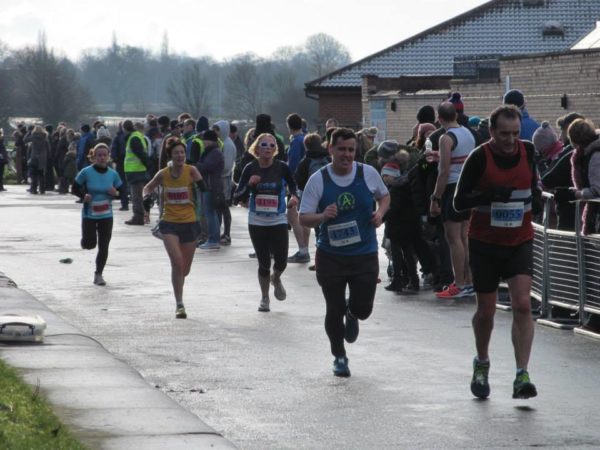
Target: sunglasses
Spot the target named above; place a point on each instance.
(267, 145)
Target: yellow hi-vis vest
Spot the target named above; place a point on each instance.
(132, 162)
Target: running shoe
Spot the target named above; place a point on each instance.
(210, 246)
(453, 291)
(98, 280)
(225, 240)
(298, 257)
(351, 328)
(479, 383)
(469, 289)
(264, 305)
(523, 387)
(279, 290)
(340, 367)
(180, 313)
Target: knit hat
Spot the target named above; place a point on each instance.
(426, 114)
(456, 100)
(544, 138)
(514, 97)
(201, 124)
(85, 128)
(210, 135)
(102, 133)
(263, 124)
(474, 121)
(387, 149)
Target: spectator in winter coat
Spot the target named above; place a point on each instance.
(229, 151)
(585, 170)
(211, 168)
(39, 148)
(3, 159)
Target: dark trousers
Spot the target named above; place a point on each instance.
(335, 273)
(2, 166)
(97, 232)
(37, 179)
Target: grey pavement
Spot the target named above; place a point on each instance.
(105, 402)
(263, 381)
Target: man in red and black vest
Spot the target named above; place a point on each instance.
(499, 183)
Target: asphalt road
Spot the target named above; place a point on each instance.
(264, 379)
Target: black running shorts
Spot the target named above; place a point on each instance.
(491, 263)
(448, 211)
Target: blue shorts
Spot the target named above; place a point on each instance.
(186, 232)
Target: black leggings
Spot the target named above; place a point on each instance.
(270, 240)
(97, 231)
(334, 273)
(224, 215)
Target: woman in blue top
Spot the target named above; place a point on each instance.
(262, 188)
(97, 185)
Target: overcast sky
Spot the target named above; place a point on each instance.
(220, 29)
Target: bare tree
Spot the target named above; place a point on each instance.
(244, 87)
(190, 90)
(49, 85)
(325, 53)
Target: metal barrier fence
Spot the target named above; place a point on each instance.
(566, 272)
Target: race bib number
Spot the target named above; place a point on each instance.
(178, 196)
(343, 234)
(99, 208)
(267, 203)
(507, 215)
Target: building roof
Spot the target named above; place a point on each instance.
(592, 40)
(498, 27)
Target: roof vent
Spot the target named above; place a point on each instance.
(533, 3)
(553, 28)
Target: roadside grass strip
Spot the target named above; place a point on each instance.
(26, 420)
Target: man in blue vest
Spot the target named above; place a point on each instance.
(339, 200)
(135, 166)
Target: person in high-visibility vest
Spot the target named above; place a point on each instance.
(136, 165)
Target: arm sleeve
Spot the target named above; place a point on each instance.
(312, 194)
(375, 182)
(465, 196)
(559, 175)
(242, 192)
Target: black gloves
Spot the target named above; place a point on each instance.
(498, 194)
(563, 195)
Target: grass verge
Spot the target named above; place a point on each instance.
(26, 420)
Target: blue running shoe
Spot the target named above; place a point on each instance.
(340, 367)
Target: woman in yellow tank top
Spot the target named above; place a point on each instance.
(178, 223)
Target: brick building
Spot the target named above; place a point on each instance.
(474, 52)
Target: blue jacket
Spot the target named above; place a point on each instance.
(84, 144)
(295, 152)
(528, 125)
